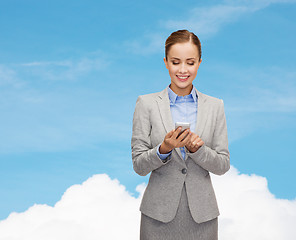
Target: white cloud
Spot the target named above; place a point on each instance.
(65, 69)
(257, 4)
(43, 110)
(250, 211)
(253, 96)
(150, 43)
(206, 21)
(101, 208)
(8, 77)
(265, 89)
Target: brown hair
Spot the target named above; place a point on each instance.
(182, 36)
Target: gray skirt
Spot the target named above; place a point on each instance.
(182, 227)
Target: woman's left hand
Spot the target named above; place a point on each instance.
(194, 143)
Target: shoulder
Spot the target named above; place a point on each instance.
(147, 103)
(150, 99)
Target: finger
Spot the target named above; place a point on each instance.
(196, 140)
(189, 142)
(189, 137)
(184, 135)
(199, 143)
(180, 142)
(176, 132)
(169, 134)
(186, 141)
(193, 137)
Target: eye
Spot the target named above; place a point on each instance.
(191, 63)
(175, 63)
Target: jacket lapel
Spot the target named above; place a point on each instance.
(165, 113)
(201, 117)
(201, 113)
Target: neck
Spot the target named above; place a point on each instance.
(181, 91)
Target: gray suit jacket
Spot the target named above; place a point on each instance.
(152, 120)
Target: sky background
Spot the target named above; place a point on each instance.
(71, 71)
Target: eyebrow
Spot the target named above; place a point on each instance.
(186, 59)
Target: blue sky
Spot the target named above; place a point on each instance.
(71, 71)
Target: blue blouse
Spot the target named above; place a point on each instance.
(183, 109)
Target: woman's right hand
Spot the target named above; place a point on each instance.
(171, 140)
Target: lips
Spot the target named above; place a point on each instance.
(182, 78)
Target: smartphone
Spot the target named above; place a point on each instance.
(184, 126)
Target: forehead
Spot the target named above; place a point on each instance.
(183, 51)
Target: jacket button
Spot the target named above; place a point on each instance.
(184, 170)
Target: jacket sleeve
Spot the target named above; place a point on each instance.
(216, 158)
(144, 156)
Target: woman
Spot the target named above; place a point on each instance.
(179, 201)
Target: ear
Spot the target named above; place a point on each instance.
(199, 62)
(165, 62)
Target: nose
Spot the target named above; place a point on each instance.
(182, 68)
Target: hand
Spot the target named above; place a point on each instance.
(194, 143)
(171, 140)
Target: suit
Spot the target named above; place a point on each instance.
(151, 122)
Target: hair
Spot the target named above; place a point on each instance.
(182, 36)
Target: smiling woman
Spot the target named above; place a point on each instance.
(182, 61)
(179, 201)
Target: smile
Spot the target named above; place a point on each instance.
(182, 78)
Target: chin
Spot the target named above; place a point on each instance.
(184, 85)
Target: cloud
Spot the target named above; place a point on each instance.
(58, 105)
(60, 119)
(257, 4)
(265, 89)
(101, 208)
(8, 77)
(150, 43)
(64, 69)
(250, 211)
(206, 21)
(253, 96)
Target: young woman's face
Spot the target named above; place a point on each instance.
(182, 62)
